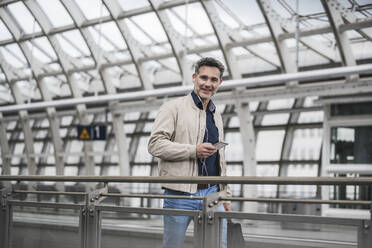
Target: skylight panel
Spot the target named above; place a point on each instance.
(37, 53)
(130, 4)
(5, 95)
(2, 75)
(150, 24)
(100, 39)
(247, 12)
(14, 55)
(362, 50)
(194, 16)
(73, 43)
(68, 47)
(56, 12)
(306, 7)
(226, 17)
(24, 17)
(282, 8)
(137, 33)
(92, 9)
(112, 33)
(45, 45)
(4, 32)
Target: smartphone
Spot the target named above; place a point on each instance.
(220, 145)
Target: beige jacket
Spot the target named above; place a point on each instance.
(178, 128)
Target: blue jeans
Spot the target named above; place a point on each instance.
(175, 226)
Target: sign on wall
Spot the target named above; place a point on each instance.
(91, 132)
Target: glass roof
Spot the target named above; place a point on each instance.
(79, 49)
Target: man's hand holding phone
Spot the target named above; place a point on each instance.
(205, 150)
(220, 145)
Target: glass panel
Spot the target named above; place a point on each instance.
(360, 108)
(269, 145)
(190, 20)
(42, 227)
(45, 46)
(362, 49)
(234, 151)
(14, 55)
(280, 104)
(151, 27)
(73, 43)
(111, 38)
(275, 119)
(306, 144)
(142, 154)
(137, 33)
(56, 12)
(234, 170)
(4, 32)
(267, 170)
(38, 53)
(129, 78)
(351, 145)
(20, 12)
(92, 9)
(247, 12)
(309, 117)
(130, 4)
(301, 191)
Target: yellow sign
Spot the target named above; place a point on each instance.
(84, 134)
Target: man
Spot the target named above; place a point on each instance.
(182, 137)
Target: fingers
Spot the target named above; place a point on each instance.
(227, 207)
(205, 150)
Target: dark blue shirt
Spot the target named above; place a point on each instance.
(208, 166)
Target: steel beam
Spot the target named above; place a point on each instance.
(4, 145)
(286, 61)
(176, 40)
(249, 156)
(331, 7)
(136, 50)
(231, 84)
(6, 215)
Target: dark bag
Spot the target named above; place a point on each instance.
(235, 237)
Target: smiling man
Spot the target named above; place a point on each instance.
(182, 138)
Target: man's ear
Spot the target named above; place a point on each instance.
(193, 77)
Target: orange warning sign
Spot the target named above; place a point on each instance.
(84, 135)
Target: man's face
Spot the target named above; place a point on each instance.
(206, 82)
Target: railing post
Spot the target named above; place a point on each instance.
(90, 220)
(5, 218)
(199, 230)
(211, 224)
(365, 232)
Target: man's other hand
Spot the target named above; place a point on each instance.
(227, 207)
(205, 150)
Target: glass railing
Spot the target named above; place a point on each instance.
(99, 218)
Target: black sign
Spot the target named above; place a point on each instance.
(91, 132)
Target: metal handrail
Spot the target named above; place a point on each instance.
(196, 180)
(255, 199)
(48, 192)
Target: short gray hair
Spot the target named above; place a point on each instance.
(209, 61)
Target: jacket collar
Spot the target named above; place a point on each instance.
(198, 102)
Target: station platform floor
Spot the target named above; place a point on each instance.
(61, 230)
